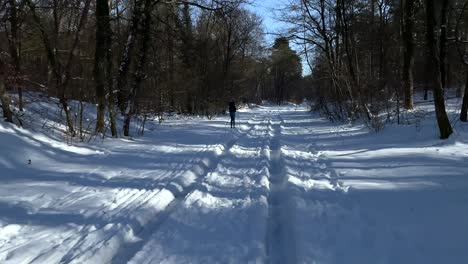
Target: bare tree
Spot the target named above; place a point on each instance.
(4, 98)
(408, 52)
(61, 72)
(103, 67)
(126, 58)
(443, 42)
(445, 127)
(13, 35)
(144, 32)
(464, 107)
(462, 54)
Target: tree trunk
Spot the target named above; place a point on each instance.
(5, 100)
(124, 67)
(464, 108)
(170, 54)
(100, 60)
(13, 41)
(427, 82)
(110, 85)
(140, 69)
(372, 39)
(439, 102)
(111, 100)
(112, 116)
(382, 50)
(443, 43)
(408, 53)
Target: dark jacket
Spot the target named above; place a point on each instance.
(232, 107)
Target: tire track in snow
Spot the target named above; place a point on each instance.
(280, 242)
(123, 256)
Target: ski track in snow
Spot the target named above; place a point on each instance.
(288, 187)
(128, 212)
(179, 196)
(210, 192)
(280, 241)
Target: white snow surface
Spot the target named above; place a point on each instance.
(285, 186)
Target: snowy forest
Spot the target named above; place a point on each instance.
(234, 131)
(141, 58)
(138, 58)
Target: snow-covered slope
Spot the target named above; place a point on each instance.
(284, 187)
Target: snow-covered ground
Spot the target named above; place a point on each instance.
(284, 187)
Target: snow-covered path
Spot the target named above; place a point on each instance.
(286, 187)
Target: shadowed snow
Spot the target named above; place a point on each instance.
(284, 187)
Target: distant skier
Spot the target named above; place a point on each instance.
(232, 112)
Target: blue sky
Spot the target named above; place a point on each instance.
(265, 9)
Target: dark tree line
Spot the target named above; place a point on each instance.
(139, 57)
(135, 58)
